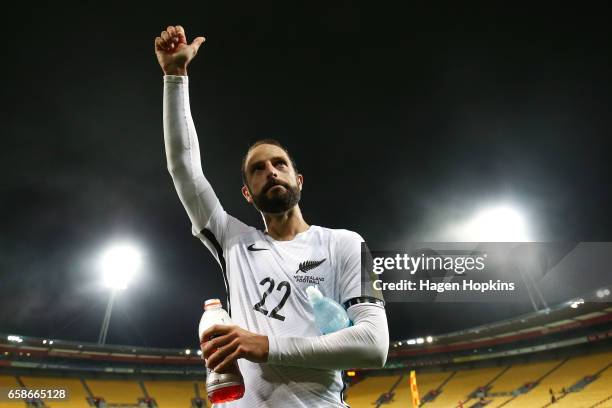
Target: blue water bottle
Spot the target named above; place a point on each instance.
(329, 315)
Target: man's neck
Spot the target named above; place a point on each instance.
(285, 226)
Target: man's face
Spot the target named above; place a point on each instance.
(271, 183)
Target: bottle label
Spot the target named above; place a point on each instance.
(215, 381)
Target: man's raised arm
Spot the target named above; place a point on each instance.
(181, 141)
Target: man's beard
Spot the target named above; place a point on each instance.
(280, 201)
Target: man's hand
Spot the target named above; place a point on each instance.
(173, 52)
(231, 343)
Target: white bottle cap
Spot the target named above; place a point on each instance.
(314, 294)
(212, 304)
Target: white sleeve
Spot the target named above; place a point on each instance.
(355, 276)
(365, 344)
(209, 220)
(183, 153)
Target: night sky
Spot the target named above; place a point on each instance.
(402, 120)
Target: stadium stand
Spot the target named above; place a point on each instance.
(515, 377)
(116, 391)
(76, 391)
(427, 382)
(598, 391)
(168, 394)
(8, 382)
(462, 384)
(566, 376)
(512, 363)
(368, 391)
(519, 385)
(174, 393)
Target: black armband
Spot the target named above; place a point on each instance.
(363, 299)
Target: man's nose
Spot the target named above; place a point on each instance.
(271, 170)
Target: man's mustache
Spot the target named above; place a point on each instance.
(272, 183)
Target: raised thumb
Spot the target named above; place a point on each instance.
(197, 42)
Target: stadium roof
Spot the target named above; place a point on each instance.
(568, 315)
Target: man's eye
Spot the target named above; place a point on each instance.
(281, 164)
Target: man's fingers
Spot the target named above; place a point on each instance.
(165, 38)
(215, 330)
(177, 35)
(221, 353)
(180, 32)
(161, 44)
(158, 44)
(209, 347)
(230, 359)
(172, 37)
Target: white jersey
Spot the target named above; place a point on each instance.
(266, 280)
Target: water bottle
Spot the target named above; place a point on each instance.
(329, 315)
(220, 387)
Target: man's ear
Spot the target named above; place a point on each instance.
(300, 181)
(247, 194)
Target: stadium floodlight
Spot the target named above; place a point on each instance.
(119, 264)
(601, 293)
(429, 339)
(576, 303)
(411, 342)
(495, 224)
(14, 339)
(420, 340)
(199, 353)
(50, 341)
(187, 352)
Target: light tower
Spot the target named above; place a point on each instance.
(119, 264)
(500, 223)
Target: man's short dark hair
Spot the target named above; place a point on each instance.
(273, 142)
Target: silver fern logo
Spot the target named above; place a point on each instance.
(309, 265)
(305, 267)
